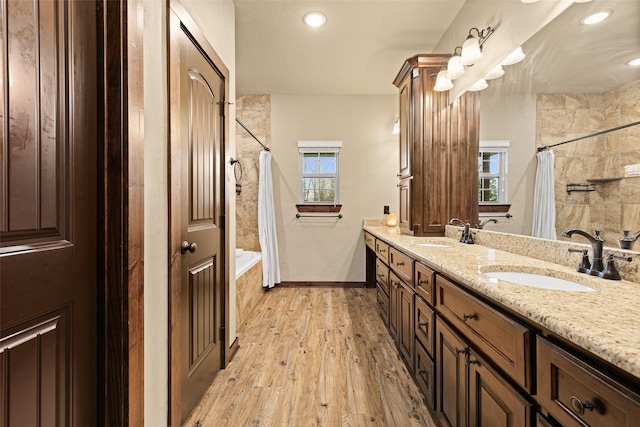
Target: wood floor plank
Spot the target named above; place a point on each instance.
(314, 357)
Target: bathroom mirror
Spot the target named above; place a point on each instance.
(587, 63)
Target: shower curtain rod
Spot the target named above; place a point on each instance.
(589, 136)
(250, 133)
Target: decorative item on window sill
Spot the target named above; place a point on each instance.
(391, 220)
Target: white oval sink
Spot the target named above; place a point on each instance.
(539, 281)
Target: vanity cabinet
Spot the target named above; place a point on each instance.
(438, 169)
(577, 394)
(469, 391)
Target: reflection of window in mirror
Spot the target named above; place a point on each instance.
(492, 172)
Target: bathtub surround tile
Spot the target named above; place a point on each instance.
(255, 112)
(249, 293)
(598, 157)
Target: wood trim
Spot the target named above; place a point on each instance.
(233, 348)
(318, 208)
(322, 284)
(121, 188)
(493, 208)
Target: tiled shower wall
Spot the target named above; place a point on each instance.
(614, 205)
(255, 112)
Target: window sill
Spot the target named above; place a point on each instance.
(493, 208)
(318, 208)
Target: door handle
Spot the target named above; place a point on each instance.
(186, 246)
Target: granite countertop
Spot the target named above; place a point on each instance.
(604, 322)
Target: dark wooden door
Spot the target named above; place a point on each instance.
(48, 213)
(200, 246)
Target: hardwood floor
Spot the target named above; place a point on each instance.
(314, 357)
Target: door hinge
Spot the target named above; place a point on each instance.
(221, 221)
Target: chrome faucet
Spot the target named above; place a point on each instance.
(626, 241)
(597, 243)
(467, 235)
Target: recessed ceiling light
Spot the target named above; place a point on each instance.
(315, 19)
(634, 62)
(595, 18)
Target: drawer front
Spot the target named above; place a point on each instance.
(425, 375)
(425, 282)
(370, 241)
(382, 251)
(504, 340)
(382, 275)
(383, 305)
(577, 394)
(402, 265)
(425, 324)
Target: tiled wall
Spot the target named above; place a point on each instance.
(615, 205)
(255, 112)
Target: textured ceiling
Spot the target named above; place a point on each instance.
(361, 48)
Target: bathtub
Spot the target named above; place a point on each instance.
(245, 260)
(249, 291)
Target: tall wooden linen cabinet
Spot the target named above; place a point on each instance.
(439, 138)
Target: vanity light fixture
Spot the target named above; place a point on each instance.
(634, 62)
(514, 57)
(455, 69)
(479, 85)
(472, 46)
(495, 72)
(315, 19)
(596, 18)
(442, 82)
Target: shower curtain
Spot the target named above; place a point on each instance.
(267, 224)
(544, 204)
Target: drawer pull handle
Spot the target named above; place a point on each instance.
(578, 406)
(461, 351)
(423, 373)
(466, 316)
(423, 282)
(470, 361)
(421, 325)
(399, 263)
(382, 250)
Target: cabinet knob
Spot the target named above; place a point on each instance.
(466, 316)
(579, 406)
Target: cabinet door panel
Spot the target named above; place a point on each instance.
(425, 374)
(576, 394)
(424, 320)
(394, 293)
(382, 275)
(406, 336)
(492, 401)
(451, 377)
(383, 305)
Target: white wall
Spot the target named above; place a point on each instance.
(329, 250)
(513, 117)
(216, 19)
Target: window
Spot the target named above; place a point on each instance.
(492, 172)
(319, 172)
